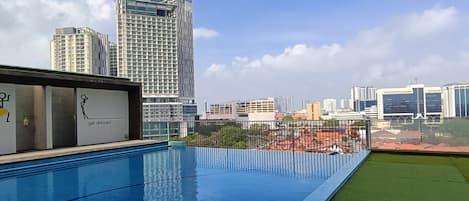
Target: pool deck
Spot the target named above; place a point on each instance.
(35, 155)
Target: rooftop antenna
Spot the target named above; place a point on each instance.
(416, 80)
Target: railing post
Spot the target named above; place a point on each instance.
(293, 138)
(368, 134)
(168, 130)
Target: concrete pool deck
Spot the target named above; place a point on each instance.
(44, 154)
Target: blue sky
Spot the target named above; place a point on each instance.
(255, 28)
(308, 49)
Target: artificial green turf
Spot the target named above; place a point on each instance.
(397, 177)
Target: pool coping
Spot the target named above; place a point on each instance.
(331, 186)
(51, 153)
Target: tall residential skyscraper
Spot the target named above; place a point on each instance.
(112, 59)
(81, 50)
(150, 45)
(362, 98)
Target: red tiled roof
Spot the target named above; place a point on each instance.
(329, 135)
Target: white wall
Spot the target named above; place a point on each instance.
(8, 129)
(259, 117)
(108, 116)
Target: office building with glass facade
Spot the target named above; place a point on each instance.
(456, 100)
(412, 102)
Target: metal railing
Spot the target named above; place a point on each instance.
(445, 135)
(330, 136)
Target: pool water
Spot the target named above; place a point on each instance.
(180, 174)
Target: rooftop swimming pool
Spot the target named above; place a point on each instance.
(177, 174)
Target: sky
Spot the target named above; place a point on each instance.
(308, 49)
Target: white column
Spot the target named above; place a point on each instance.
(49, 136)
(43, 117)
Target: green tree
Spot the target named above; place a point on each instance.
(208, 129)
(331, 123)
(456, 128)
(359, 124)
(241, 145)
(231, 135)
(259, 129)
(288, 118)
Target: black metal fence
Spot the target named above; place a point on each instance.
(329, 136)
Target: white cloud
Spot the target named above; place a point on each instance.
(28, 25)
(426, 45)
(100, 9)
(204, 33)
(432, 20)
(215, 70)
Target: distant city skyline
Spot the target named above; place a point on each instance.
(272, 53)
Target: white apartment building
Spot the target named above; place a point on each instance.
(248, 110)
(80, 50)
(329, 105)
(256, 105)
(222, 111)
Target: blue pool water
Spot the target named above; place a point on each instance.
(179, 174)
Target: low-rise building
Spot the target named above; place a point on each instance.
(247, 110)
(409, 103)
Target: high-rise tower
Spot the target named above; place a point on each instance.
(113, 59)
(154, 47)
(186, 58)
(81, 50)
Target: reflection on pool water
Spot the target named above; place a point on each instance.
(180, 174)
